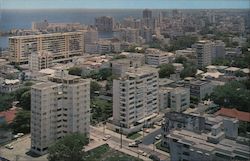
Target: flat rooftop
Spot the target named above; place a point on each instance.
(44, 85)
(44, 35)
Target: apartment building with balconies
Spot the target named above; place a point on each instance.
(135, 97)
(58, 107)
(62, 46)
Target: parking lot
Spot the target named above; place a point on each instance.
(20, 151)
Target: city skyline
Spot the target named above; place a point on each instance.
(128, 4)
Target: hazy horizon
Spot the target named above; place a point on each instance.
(124, 4)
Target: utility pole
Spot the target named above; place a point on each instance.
(121, 135)
(104, 124)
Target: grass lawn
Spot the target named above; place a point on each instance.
(158, 146)
(105, 153)
(134, 136)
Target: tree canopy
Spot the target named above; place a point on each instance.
(25, 100)
(166, 70)
(233, 94)
(75, 71)
(68, 148)
(21, 122)
(188, 71)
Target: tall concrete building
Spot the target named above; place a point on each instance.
(40, 25)
(105, 23)
(58, 107)
(129, 35)
(218, 49)
(135, 97)
(146, 13)
(90, 36)
(204, 53)
(62, 46)
(40, 60)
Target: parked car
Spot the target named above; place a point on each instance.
(142, 153)
(106, 137)
(146, 130)
(9, 146)
(133, 144)
(158, 137)
(20, 134)
(138, 141)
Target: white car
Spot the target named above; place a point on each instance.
(9, 146)
(106, 137)
(142, 153)
(20, 134)
(158, 137)
(133, 144)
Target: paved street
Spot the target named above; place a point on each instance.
(115, 140)
(150, 138)
(20, 151)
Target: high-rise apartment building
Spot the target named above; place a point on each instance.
(58, 107)
(105, 23)
(128, 35)
(204, 53)
(135, 97)
(62, 46)
(146, 13)
(90, 36)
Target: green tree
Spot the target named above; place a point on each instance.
(18, 93)
(28, 84)
(69, 148)
(21, 122)
(75, 71)
(166, 70)
(25, 100)
(104, 73)
(233, 94)
(6, 100)
(94, 86)
(188, 71)
(101, 110)
(181, 59)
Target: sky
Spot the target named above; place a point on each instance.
(125, 4)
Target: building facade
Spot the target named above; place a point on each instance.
(204, 53)
(40, 60)
(158, 57)
(62, 46)
(200, 88)
(180, 99)
(58, 107)
(135, 97)
(105, 23)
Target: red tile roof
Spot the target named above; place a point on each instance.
(9, 115)
(242, 116)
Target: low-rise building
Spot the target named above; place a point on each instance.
(179, 99)
(40, 60)
(158, 57)
(9, 85)
(200, 88)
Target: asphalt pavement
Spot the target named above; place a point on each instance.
(150, 138)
